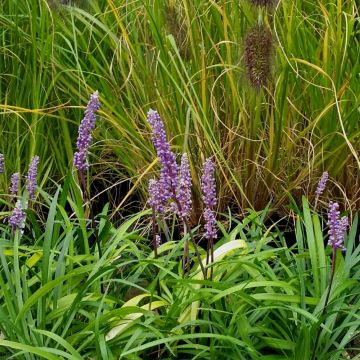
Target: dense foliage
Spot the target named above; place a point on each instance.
(156, 234)
(265, 300)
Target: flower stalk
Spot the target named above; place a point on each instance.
(80, 158)
(337, 231)
(208, 187)
(156, 244)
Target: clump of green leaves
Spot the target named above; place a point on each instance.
(266, 296)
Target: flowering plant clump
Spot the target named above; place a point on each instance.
(14, 184)
(2, 166)
(209, 198)
(175, 181)
(337, 232)
(31, 177)
(85, 128)
(17, 219)
(337, 226)
(174, 184)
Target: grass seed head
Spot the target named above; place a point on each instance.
(258, 51)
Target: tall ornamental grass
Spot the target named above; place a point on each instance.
(187, 59)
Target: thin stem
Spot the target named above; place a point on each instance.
(186, 260)
(155, 247)
(17, 274)
(19, 291)
(212, 258)
(210, 255)
(326, 299)
(92, 217)
(316, 202)
(186, 224)
(154, 232)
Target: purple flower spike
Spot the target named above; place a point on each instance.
(184, 187)
(210, 224)
(337, 226)
(31, 177)
(2, 166)
(156, 196)
(85, 128)
(322, 183)
(208, 184)
(168, 175)
(17, 219)
(14, 184)
(208, 187)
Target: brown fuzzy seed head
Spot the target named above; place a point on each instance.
(258, 51)
(264, 3)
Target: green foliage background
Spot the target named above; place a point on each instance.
(60, 298)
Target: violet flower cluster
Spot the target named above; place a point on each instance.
(184, 188)
(165, 187)
(337, 226)
(175, 181)
(156, 196)
(17, 219)
(208, 187)
(85, 137)
(2, 166)
(322, 183)
(31, 177)
(14, 184)
(210, 224)
(208, 184)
